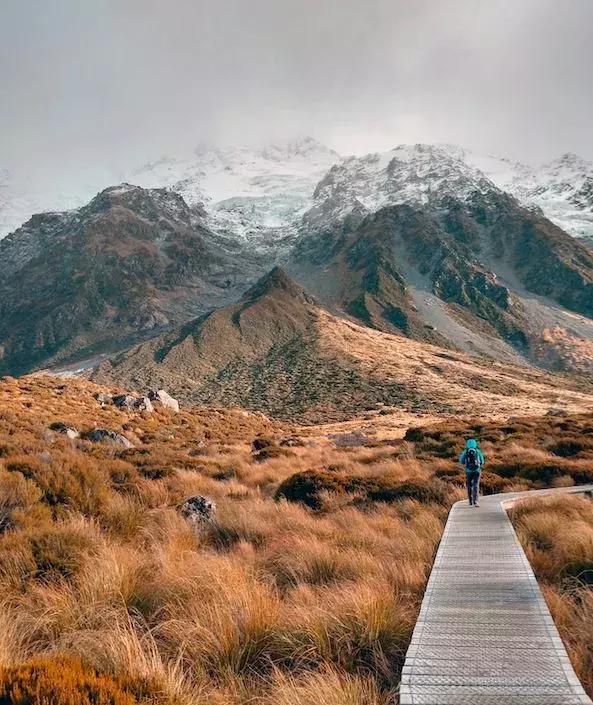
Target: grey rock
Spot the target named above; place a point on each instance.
(125, 401)
(69, 431)
(556, 412)
(164, 399)
(104, 398)
(100, 435)
(144, 404)
(199, 510)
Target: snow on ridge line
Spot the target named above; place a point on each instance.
(259, 195)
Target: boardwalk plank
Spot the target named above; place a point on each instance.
(484, 635)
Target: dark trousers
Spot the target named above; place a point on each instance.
(472, 481)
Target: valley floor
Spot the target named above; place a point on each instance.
(303, 585)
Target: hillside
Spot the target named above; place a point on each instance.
(416, 242)
(280, 352)
(130, 263)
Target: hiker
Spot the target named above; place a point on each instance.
(472, 460)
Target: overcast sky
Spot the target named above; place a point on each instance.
(93, 86)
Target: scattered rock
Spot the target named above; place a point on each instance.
(104, 398)
(165, 400)
(125, 401)
(69, 431)
(99, 435)
(199, 510)
(144, 404)
(556, 412)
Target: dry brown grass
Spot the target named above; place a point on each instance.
(272, 603)
(557, 534)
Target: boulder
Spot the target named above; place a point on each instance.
(104, 398)
(99, 435)
(125, 401)
(165, 400)
(199, 510)
(144, 404)
(69, 431)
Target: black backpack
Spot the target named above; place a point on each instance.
(472, 461)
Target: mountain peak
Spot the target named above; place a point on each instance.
(276, 282)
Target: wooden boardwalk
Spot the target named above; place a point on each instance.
(484, 635)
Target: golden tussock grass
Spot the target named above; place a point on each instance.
(557, 535)
(274, 601)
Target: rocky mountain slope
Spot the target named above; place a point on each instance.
(416, 241)
(279, 351)
(20, 201)
(130, 263)
(561, 189)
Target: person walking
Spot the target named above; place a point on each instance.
(472, 460)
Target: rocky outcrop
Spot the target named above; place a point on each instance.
(101, 435)
(161, 398)
(199, 511)
(68, 431)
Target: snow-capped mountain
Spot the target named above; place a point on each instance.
(562, 189)
(256, 195)
(420, 174)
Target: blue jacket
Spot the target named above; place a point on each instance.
(472, 444)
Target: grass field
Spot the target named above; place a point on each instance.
(303, 590)
(557, 535)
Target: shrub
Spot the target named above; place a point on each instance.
(426, 491)
(581, 475)
(16, 493)
(492, 484)
(568, 447)
(122, 474)
(262, 442)
(308, 488)
(448, 472)
(542, 472)
(59, 552)
(270, 452)
(67, 681)
(414, 434)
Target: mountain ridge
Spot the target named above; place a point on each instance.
(278, 351)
